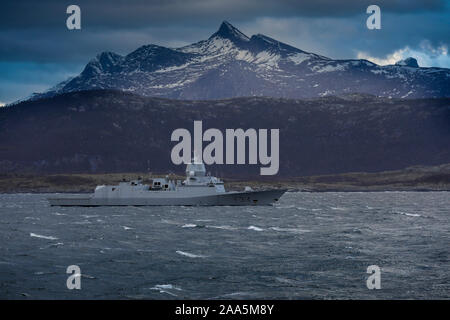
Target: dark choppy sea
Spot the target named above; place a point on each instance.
(308, 246)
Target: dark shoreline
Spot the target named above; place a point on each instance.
(420, 179)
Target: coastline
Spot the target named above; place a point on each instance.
(418, 178)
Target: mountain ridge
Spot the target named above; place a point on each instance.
(114, 131)
(230, 64)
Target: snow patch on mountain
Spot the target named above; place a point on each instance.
(299, 58)
(329, 68)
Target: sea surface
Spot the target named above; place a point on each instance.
(308, 246)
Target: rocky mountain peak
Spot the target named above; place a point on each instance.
(228, 31)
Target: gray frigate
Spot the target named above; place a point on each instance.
(198, 189)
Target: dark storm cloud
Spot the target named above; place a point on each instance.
(144, 13)
(43, 45)
(36, 30)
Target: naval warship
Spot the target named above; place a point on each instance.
(198, 189)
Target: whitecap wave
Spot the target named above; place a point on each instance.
(163, 288)
(52, 245)
(255, 228)
(225, 227)
(408, 214)
(285, 207)
(35, 235)
(166, 286)
(89, 215)
(286, 280)
(58, 214)
(189, 225)
(190, 255)
(233, 294)
(291, 230)
(56, 244)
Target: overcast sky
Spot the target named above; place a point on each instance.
(37, 50)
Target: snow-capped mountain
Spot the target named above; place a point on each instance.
(230, 64)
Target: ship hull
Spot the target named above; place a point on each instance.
(247, 198)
